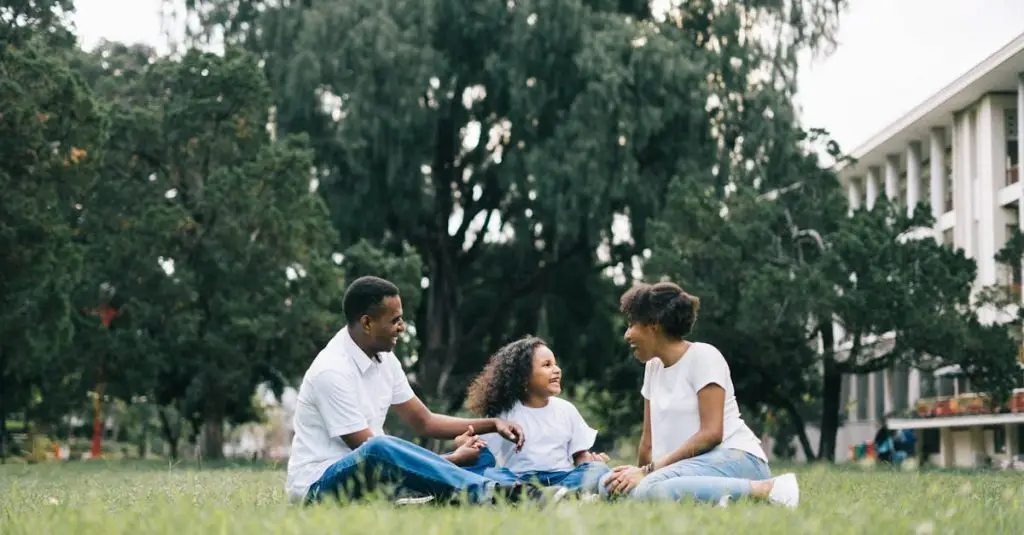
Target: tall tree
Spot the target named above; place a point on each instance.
(211, 235)
(51, 133)
(501, 140)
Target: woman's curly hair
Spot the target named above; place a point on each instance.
(503, 381)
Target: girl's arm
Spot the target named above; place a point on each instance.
(581, 457)
(644, 449)
(711, 406)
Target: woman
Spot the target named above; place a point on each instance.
(694, 443)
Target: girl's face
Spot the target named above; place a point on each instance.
(546, 379)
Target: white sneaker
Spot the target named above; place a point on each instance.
(414, 500)
(558, 494)
(724, 502)
(785, 491)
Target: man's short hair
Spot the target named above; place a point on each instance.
(365, 297)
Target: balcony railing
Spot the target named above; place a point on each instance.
(967, 404)
(1013, 175)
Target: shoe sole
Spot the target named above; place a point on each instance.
(420, 500)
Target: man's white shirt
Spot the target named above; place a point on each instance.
(343, 391)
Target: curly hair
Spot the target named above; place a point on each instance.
(664, 304)
(503, 381)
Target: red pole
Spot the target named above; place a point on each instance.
(107, 314)
(97, 422)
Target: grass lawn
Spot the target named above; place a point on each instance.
(87, 498)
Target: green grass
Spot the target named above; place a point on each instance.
(152, 498)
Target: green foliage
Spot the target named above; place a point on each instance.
(244, 283)
(22, 21)
(51, 133)
(586, 112)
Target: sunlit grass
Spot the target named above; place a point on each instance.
(150, 498)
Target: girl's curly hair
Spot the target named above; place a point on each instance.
(503, 381)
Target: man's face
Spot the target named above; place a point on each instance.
(383, 330)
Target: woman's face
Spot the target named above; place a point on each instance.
(641, 339)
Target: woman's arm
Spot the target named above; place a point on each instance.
(711, 406)
(644, 449)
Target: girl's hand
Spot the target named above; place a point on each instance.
(591, 457)
(469, 437)
(624, 479)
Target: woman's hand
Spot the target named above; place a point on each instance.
(624, 479)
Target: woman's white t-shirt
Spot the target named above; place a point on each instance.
(554, 433)
(672, 393)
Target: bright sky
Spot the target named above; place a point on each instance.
(892, 54)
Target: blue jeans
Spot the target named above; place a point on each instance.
(584, 477)
(399, 464)
(705, 478)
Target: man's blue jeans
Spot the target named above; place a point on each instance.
(584, 477)
(398, 464)
(705, 478)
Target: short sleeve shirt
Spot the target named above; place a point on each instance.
(342, 392)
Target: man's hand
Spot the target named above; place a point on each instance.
(624, 479)
(511, 432)
(591, 457)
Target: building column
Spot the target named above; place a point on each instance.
(887, 380)
(1020, 150)
(964, 148)
(1010, 432)
(990, 140)
(853, 195)
(913, 176)
(947, 447)
(892, 176)
(937, 198)
(871, 187)
(937, 169)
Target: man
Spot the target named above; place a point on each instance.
(340, 444)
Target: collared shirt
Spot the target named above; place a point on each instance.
(342, 392)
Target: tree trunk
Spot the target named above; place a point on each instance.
(800, 429)
(3, 413)
(213, 425)
(144, 434)
(441, 336)
(831, 389)
(170, 436)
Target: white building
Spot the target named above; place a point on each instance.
(958, 150)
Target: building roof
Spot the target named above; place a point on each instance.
(997, 72)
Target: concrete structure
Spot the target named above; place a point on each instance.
(958, 150)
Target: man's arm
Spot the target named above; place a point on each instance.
(354, 440)
(429, 424)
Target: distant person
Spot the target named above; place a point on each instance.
(694, 444)
(340, 447)
(520, 384)
(883, 442)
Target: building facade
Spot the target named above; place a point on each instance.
(960, 151)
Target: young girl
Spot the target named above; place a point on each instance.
(520, 384)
